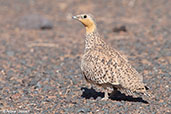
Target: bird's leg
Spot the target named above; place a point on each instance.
(106, 96)
(113, 92)
(90, 86)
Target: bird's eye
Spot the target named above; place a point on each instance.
(85, 16)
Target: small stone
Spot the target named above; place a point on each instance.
(38, 85)
(10, 53)
(32, 82)
(118, 103)
(82, 110)
(120, 29)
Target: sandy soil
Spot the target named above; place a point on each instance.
(41, 46)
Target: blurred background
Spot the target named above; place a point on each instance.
(41, 46)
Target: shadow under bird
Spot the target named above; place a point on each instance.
(104, 66)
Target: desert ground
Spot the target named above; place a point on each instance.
(41, 48)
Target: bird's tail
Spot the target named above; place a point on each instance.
(147, 93)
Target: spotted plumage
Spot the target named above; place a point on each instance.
(104, 66)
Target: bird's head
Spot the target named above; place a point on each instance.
(87, 20)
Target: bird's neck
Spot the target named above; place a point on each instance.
(93, 39)
(90, 29)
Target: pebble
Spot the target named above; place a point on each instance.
(10, 53)
(33, 82)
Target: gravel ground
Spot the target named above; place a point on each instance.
(41, 46)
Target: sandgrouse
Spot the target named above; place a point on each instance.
(106, 67)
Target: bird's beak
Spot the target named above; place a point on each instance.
(74, 17)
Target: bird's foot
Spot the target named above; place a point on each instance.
(106, 96)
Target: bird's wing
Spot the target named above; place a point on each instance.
(99, 67)
(128, 76)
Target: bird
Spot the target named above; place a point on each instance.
(106, 67)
